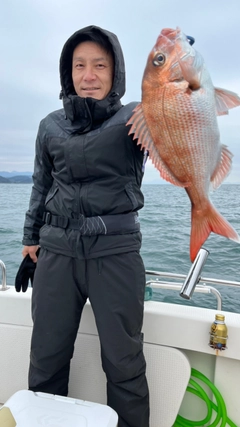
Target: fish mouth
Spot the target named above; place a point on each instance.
(167, 38)
(170, 33)
(177, 37)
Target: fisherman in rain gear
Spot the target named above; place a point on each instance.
(83, 213)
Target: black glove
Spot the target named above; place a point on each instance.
(25, 272)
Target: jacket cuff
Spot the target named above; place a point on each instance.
(28, 242)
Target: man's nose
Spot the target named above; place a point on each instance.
(89, 73)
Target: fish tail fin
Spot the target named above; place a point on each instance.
(209, 220)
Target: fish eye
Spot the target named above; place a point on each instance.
(158, 59)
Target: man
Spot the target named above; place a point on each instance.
(83, 213)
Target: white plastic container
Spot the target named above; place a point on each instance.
(41, 409)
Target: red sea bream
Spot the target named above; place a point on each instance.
(177, 123)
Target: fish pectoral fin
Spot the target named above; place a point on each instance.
(139, 126)
(223, 168)
(225, 100)
(140, 130)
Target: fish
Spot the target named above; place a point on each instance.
(176, 123)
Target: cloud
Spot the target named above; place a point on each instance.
(33, 33)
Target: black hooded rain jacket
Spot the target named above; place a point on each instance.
(86, 166)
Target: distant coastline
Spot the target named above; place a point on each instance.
(18, 179)
(15, 177)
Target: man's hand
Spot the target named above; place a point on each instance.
(31, 251)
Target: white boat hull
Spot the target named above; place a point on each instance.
(175, 339)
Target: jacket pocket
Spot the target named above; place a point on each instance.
(75, 159)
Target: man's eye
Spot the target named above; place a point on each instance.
(79, 65)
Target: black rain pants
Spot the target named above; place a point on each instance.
(115, 287)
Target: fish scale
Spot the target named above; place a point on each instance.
(176, 122)
(179, 136)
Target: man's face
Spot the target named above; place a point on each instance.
(92, 70)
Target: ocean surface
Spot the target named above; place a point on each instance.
(165, 223)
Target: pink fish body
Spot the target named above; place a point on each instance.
(177, 123)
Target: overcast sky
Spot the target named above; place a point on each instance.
(32, 33)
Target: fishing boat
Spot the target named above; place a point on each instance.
(193, 371)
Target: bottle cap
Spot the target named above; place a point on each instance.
(220, 317)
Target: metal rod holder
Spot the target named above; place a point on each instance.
(4, 280)
(193, 276)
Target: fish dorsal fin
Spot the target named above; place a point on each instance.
(223, 168)
(225, 99)
(140, 130)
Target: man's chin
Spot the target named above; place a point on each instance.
(91, 94)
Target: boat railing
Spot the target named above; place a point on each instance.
(201, 286)
(4, 286)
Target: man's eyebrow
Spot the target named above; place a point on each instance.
(101, 58)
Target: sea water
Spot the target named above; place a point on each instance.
(165, 225)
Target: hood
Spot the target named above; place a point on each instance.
(89, 112)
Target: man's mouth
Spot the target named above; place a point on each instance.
(90, 88)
